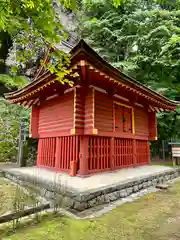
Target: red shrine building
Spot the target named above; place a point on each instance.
(103, 122)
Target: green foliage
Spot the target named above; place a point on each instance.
(10, 116)
(118, 3)
(31, 25)
(141, 38)
(60, 67)
(13, 81)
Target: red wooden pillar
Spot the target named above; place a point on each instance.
(112, 157)
(148, 153)
(134, 153)
(57, 153)
(83, 155)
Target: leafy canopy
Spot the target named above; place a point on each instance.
(34, 25)
(141, 38)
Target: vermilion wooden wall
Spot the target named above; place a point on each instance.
(75, 110)
(56, 117)
(141, 122)
(152, 126)
(34, 122)
(105, 119)
(80, 126)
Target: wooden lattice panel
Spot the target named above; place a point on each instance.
(58, 152)
(123, 152)
(46, 152)
(99, 154)
(142, 151)
(67, 150)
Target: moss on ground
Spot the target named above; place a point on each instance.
(12, 197)
(167, 163)
(154, 216)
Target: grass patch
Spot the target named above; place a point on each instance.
(167, 163)
(154, 216)
(8, 193)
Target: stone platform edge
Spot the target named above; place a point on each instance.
(79, 201)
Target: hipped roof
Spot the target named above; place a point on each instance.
(83, 55)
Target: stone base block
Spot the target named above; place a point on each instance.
(79, 201)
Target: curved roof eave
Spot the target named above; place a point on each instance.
(83, 48)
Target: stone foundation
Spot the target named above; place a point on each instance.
(79, 201)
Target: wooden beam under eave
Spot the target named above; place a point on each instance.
(104, 75)
(30, 103)
(129, 93)
(112, 92)
(33, 102)
(157, 109)
(135, 96)
(163, 107)
(36, 101)
(24, 103)
(100, 79)
(104, 80)
(151, 108)
(161, 110)
(58, 89)
(83, 74)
